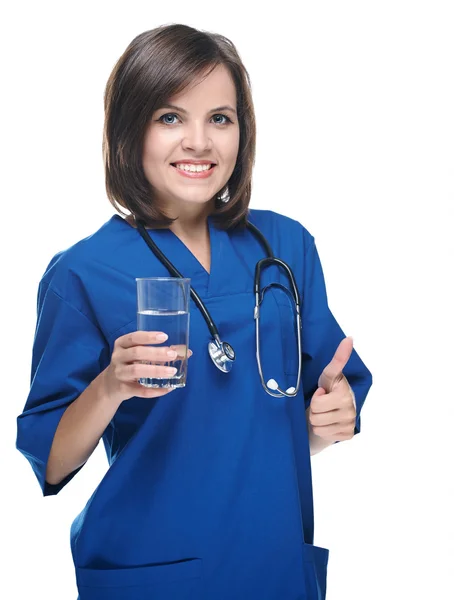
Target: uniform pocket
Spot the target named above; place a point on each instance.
(289, 339)
(315, 571)
(179, 580)
(287, 316)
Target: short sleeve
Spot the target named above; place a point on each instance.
(321, 335)
(67, 356)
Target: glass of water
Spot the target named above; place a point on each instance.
(163, 305)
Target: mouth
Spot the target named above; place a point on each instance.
(211, 166)
(195, 171)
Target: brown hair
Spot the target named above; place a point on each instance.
(156, 65)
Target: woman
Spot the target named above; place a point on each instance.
(209, 492)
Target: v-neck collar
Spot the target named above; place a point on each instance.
(232, 259)
(195, 260)
(185, 261)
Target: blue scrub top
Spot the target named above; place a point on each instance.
(209, 491)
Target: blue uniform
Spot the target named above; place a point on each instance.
(209, 491)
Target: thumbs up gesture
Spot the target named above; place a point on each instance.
(332, 411)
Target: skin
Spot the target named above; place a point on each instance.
(197, 134)
(331, 415)
(127, 365)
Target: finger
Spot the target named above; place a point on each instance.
(344, 417)
(147, 353)
(324, 419)
(131, 373)
(333, 371)
(181, 350)
(145, 392)
(318, 392)
(334, 429)
(339, 399)
(315, 402)
(141, 338)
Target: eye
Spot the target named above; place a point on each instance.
(227, 120)
(162, 119)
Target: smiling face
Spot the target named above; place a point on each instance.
(200, 125)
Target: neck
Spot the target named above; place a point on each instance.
(191, 229)
(192, 221)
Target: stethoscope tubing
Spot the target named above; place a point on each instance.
(259, 295)
(222, 347)
(174, 271)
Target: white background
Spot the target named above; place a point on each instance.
(355, 114)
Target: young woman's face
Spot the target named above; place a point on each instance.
(201, 127)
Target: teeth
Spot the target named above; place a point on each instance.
(193, 168)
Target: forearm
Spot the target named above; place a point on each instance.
(316, 443)
(79, 430)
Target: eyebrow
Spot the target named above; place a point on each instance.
(225, 107)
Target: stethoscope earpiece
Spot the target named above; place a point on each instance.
(273, 385)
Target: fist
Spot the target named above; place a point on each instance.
(332, 411)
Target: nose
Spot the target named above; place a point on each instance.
(196, 137)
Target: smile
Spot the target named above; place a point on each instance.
(194, 171)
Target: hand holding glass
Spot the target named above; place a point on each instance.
(163, 305)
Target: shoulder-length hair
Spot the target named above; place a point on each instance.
(156, 65)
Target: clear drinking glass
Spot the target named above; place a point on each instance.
(163, 305)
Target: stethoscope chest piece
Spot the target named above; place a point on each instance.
(222, 354)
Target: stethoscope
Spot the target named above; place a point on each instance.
(222, 354)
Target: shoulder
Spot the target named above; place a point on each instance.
(84, 256)
(277, 225)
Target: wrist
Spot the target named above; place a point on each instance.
(106, 391)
